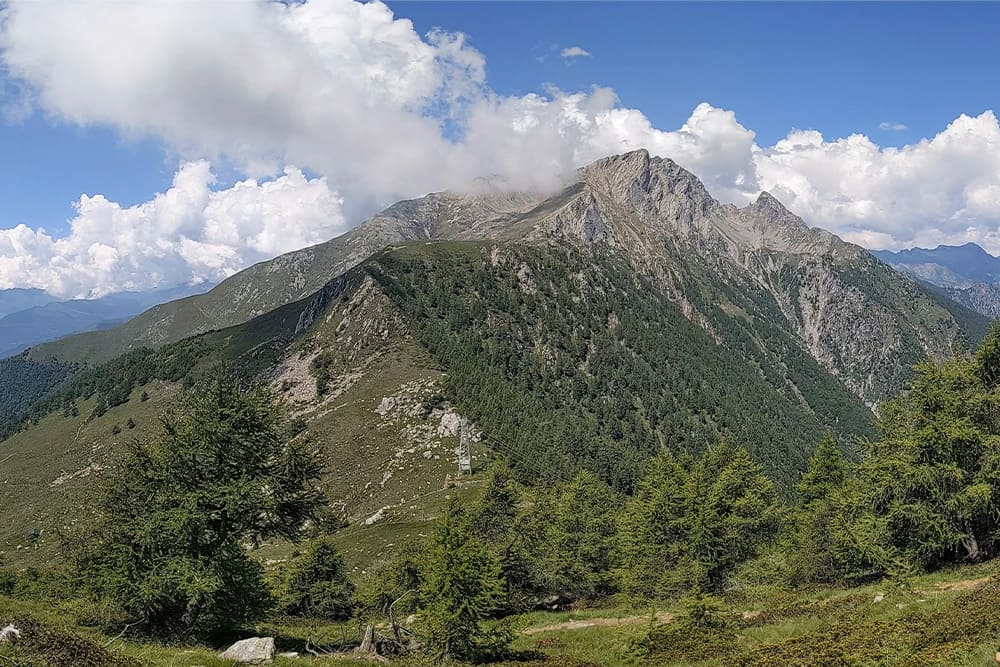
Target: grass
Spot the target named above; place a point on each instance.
(393, 462)
(918, 624)
(48, 471)
(945, 618)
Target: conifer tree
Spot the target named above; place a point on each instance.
(816, 537)
(317, 585)
(930, 485)
(168, 540)
(693, 520)
(827, 472)
(582, 538)
(462, 586)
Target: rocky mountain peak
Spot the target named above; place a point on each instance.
(768, 204)
(637, 173)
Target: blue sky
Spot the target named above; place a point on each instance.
(835, 67)
(361, 108)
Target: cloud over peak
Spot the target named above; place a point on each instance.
(347, 90)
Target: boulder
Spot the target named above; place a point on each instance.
(252, 651)
(9, 634)
(451, 425)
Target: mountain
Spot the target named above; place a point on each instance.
(981, 297)
(967, 273)
(267, 285)
(863, 322)
(18, 298)
(54, 319)
(946, 266)
(648, 208)
(627, 313)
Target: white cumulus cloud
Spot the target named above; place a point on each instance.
(349, 91)
(187, 234)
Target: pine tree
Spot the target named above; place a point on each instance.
(816, 540)
(461, 587)
(930, 485)
(317, 585)
(693, 520)
(581, 542)
(168, 541)
(827, 472)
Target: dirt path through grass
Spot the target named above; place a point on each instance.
(962, 585)
(660, 616)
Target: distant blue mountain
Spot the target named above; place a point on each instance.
(13, 300)
(946, 266)
(45, 318)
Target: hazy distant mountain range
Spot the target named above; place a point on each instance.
(31, 316)
(966, 273)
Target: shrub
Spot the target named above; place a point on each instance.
(317, 585)
(8, 581)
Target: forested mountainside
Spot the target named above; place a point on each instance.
(982, 297)
(568, 347)
(858, 319)
(628, 313)
(862, 321)
(295, 275)
(629, 422)
(561, 356)
(668, 388)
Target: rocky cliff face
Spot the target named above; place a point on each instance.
(863, 322)
(981, 297)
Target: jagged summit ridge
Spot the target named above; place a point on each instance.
(851, 314)
(649, 210)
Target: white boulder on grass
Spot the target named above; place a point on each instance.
(252, 651)
(9, 634)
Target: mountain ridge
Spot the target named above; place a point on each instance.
(966, 273)
(658, 215)
(628, 313)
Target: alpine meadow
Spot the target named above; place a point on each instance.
(608, 395)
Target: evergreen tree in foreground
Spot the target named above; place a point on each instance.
(168, 541)
(929, 489)
(461, 588)
(817, 539)
(317, 585)
(692, 521)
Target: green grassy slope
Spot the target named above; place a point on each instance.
(48, 471)
(947, 619)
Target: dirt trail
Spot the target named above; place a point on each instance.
(661, 616)
(964, 585)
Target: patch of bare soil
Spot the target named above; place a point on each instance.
(661, 617)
